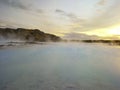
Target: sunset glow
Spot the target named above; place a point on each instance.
(105, 32)
(114, 30)
(63, 17)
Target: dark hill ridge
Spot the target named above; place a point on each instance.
(27, 35)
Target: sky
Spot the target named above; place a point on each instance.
(65, 18)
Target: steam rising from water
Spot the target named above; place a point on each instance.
(60, 66)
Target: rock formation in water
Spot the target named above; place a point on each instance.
(27, 35)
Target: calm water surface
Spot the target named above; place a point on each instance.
(60, 66)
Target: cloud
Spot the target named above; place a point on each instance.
(16, 3)
(23, 5)
(80, 36)
(71, 16)
(110, 17)
(76, 22)
(63, 13)
(39, 11)
(10, 24)
(102, 2)
(60, 11)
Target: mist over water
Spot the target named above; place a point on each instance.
(60, 66)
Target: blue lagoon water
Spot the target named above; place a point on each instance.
(60, 66)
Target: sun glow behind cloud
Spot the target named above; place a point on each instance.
(113, 32)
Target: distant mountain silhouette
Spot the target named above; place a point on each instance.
(27, 35)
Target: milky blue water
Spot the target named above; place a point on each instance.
(60, 66)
